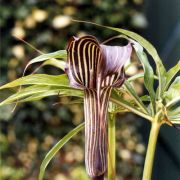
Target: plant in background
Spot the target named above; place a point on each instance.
(159, 106)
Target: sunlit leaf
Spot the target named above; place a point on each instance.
(174, 110)
(171, 74)
(56, 63)
(56, 148)
(145, 98)
(172, 98)
(59, 92)
(29, 91)
(176, 121)
(148, 77)
(38, 92)
(174, 114)
(40, 79)
(173, 92)
(136, 76)
(61, 54)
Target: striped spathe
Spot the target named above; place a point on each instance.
(96, 69)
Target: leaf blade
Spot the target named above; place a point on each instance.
(36, 92)
(148, 77)
(61, 54)
(56, 63)
(41, 79)
(171, 74)
(56, 148)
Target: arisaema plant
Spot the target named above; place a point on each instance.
(95, 73)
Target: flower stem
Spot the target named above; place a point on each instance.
(111, 147)
(147, 173)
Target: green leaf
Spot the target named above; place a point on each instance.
(56, 148)
(137, 76)
(40, 79)
(174, 111)
(61, 93)
(171, 74)
(30, 91)
(61, 54)
(148, 77)
(173, 93)
(134, 95)
(173, 114)
(39, 86)
(174, 118)
(56, 63)
(145, 98)
(38, 92)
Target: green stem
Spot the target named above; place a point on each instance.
(111, 147)
(147, 173)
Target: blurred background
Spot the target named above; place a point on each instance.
(27, 134)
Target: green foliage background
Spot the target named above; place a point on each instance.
(28, 133)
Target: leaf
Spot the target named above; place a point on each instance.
(38, 92)
(56, 148)
(62, 93)
(174, 111)
(149, 48)
(54, 62)
(134, 95)
(145, 98)
(174, 118)
(61, 54)
(136, 76)
(171, 74)
(42, 86)
(30, 91)
(40, 79)
(173, 114)
(148, 77)
(173, 92)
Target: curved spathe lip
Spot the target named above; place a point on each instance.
(89, 61)
(115, 57)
